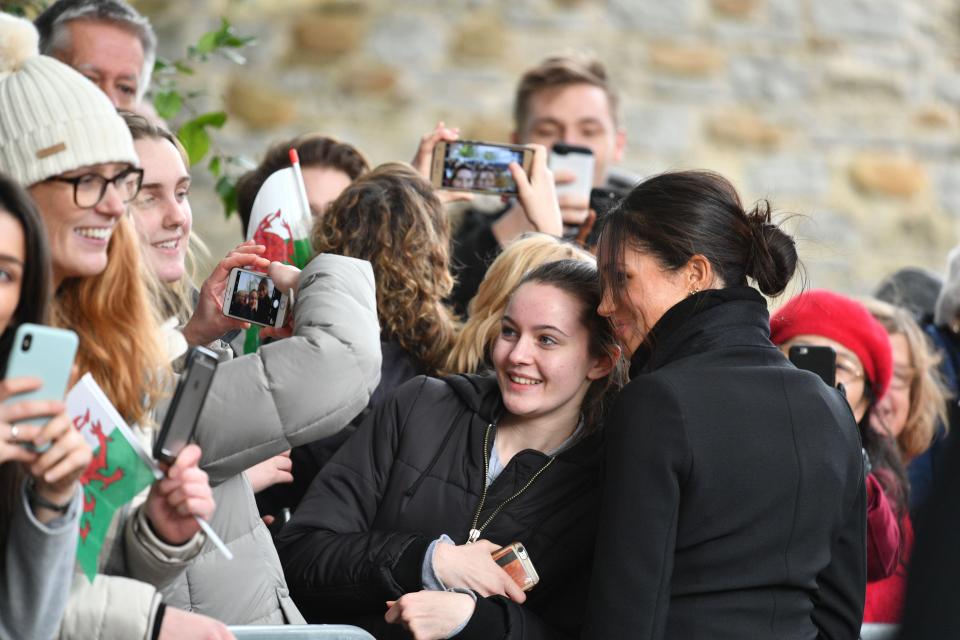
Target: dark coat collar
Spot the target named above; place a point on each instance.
(711, 319)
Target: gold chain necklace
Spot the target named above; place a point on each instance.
(474, 531)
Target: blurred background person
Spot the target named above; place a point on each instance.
(107, 41)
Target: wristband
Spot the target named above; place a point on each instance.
(158, 621)
(39, 501)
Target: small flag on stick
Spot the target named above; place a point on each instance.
(280, 220)
(120, 468)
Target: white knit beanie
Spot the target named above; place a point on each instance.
(52, 119)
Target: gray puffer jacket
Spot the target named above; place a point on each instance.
(288, 393)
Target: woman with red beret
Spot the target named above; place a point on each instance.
(864, 368)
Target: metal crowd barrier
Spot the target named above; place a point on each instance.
(300, 632)
(879, 631)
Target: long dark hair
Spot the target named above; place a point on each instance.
(578, 278)
(32, 307)
(675, 216)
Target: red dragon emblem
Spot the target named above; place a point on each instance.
(278, 249)
(95, 471)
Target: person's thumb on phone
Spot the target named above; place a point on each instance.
(284, 276)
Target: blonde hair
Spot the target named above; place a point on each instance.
(928, 395)
(170, 299)
(392, 218)
(119, 336)
(472, 347)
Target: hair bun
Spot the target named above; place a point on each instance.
(772, 256)
(19, 42)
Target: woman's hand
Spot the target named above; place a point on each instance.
(430, 615)
(275, 470)
(176, 500)
(538, 194)
(208, 322)
(11, 435)
(57, 470)
(423, 159)
(470, 566)
(182, 625)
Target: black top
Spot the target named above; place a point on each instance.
(414, 470)
(396, 367)
(474, 248)
(733, 502)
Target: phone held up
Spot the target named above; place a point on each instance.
(186, 405)
(45, 353)
(480, 167)
(515, 560)
(253, 297)
(576, 161)
(821, 360)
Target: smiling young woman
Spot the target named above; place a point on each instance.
(457, 467)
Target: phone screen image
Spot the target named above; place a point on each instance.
(474, 166)
(255, 298)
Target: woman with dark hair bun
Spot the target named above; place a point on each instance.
(733, 502)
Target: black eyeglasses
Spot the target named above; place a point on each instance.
(89, 189)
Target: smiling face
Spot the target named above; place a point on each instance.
(161, 210)
(12, 249)
(78, 237)
(542, 357)
(576, 114)
(110, 56)
(647, 291)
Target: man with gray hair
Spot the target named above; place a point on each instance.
(107, 41)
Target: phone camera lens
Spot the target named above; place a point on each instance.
(27, 341)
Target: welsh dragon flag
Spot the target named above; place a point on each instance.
(120, 468)
(280, 220)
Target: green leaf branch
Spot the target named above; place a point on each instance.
(177, 105)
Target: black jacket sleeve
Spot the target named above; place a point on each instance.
(499, 618)
(332, 559)
(647, 462)
(838, 607)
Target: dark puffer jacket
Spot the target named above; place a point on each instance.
(414, 471)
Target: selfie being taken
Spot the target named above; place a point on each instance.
(549, 320)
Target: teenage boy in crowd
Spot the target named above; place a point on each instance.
(565, 99)
(107, 41)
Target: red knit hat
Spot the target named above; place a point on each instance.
(831, 315)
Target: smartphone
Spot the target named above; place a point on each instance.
(821, 360)
(515, 560)
(602, 201)
(252, 297)
(186, 405)
(575, 160)
(46, 353)
(480, 167)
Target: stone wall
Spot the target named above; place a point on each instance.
(843, 111)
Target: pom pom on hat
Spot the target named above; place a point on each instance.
(19, 42)
(52, 119)
(823, 313)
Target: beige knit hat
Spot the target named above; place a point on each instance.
(52, 119)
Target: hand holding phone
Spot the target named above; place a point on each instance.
(181, 418)
(515, 560)
(537, 194)
(572, 168)
(478, 167)
(253, 297)
(208, 321)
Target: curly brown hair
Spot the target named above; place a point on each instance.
(392, 218)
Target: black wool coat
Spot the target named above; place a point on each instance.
(414, 470)
(733, 500)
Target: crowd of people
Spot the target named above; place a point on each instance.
(625, 409)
